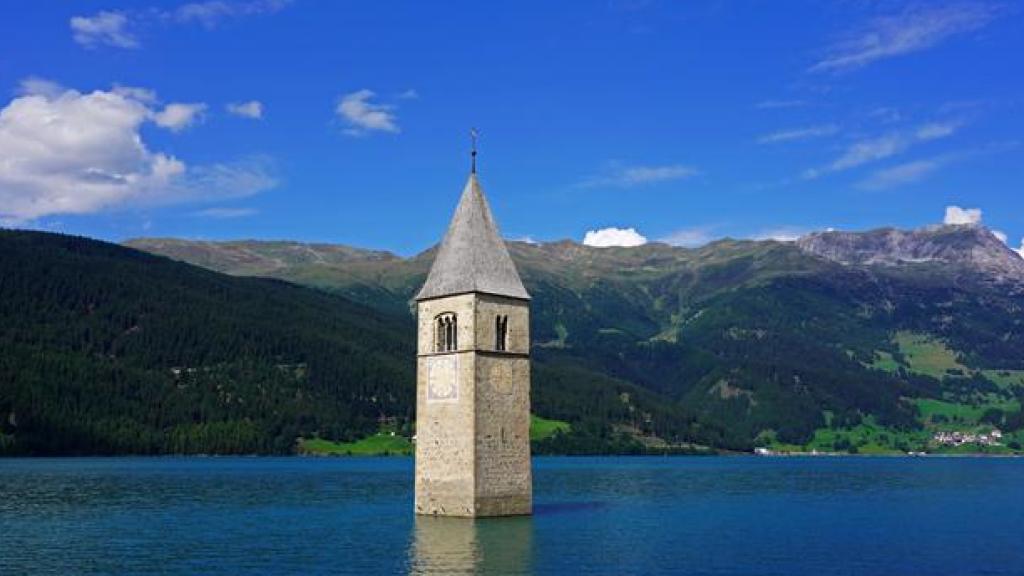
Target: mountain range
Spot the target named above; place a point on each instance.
(767, 339)
(871, 342)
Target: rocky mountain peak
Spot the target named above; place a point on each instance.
(968, 246)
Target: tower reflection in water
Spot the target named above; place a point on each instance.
(467, 546)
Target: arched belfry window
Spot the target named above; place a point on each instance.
(446, 332)
(501, 332)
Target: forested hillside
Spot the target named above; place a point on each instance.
(748, 343)
(106, 349)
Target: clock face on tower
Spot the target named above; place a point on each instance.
(443, 379)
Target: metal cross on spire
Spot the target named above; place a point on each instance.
(473, 135)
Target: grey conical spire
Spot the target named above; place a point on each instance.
(472, 256)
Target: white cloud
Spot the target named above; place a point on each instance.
(690, 237)
(1001, 236)
(178, 116)
(103, 28)
(606, 237)
(409, 94)
(362, 115)
(907, 173)
(957, 216)
(799, 134)
(77, 153)
(174, 116)
(628, 176)
(910, 31)
(873, 149)
(251, 109)
(1021, 249)
(222, 213)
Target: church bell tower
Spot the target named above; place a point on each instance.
(473, 373)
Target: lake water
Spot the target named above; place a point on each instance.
(742, 515)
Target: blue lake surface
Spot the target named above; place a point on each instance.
(737, 515)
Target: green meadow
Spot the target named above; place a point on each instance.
(389, 443)
(925, 355)
(381, 444)
(541, 428)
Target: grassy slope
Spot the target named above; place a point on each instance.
(386, 443)
(926, 355)
(923, 354)
(1005, 378)
(381, 444)
(541, 428)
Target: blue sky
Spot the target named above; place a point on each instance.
(347, 121)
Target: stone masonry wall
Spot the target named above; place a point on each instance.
(473, 411)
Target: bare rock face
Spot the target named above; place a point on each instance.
(967, 247)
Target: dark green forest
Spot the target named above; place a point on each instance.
(106, 349)
(109, 350)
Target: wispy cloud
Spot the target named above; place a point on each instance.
(103, 28)
(918, 170)
(223, 213)
(119, 28)
(799, 134)
(702, 235)
(878, 148)
(362, 115)
(210, 14)
(621, 176)
(781, 233)
(886, 114)
(907, 173)
(34, 85)
(912, 30)
(774, 104)
(935, 130)
(223, 180)
(135, 93)
(870, 150)
(252, 109)
(691, 237)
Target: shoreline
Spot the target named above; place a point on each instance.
(535, 456)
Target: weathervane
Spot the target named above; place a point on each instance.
(473, 135)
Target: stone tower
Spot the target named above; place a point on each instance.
(473, 373)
